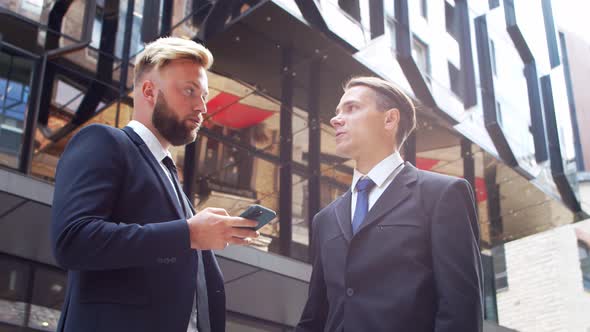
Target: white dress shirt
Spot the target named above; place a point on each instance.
(154, 146)
(382, 174)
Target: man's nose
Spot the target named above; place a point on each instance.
(336, 121)
(202, 106)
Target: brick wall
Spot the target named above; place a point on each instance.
(545, 290)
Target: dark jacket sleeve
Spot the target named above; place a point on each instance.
(84, 236)
(456, 260)
(315, 312)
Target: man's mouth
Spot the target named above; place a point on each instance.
(195, 122)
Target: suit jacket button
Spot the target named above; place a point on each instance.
(349, 291)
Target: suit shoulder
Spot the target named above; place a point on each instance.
(100, 129)
(99, 134)
(437, 181)
(96, 142)
(327, 210)
(435, 186)
(330, 207)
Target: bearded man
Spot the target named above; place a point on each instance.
(138, 256)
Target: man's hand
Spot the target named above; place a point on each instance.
(214, 228)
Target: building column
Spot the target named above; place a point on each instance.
(409, 148)
(286, 154)
(468, 165)
(314, 166)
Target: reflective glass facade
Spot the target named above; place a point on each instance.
(476, 71)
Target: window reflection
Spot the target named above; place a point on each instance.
(300, 220)
(49, 289)
(13, 289)
(31, 295)
(15, 79)
(231, 178)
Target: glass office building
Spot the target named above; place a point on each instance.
(489, 78)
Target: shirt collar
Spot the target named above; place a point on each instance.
(150, 140)
(381, 172)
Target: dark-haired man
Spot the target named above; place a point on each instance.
(400, 250)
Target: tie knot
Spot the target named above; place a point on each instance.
(365, 184)
(167, 161)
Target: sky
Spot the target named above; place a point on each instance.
(572, 16)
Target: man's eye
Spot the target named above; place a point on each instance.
(189, 91)
(349, 109)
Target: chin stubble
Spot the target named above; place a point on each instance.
(169, 125)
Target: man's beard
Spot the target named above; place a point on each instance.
(169, 125)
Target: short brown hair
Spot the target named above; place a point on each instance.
(390, 96)
(163, 50)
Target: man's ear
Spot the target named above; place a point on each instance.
(392, 117)
(148, 91)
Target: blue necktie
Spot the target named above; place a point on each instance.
(363, 188)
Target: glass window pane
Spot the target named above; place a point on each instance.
(15, 78)
(47, 152)
(50, 287)
(300, 136)
(300, 220)
(253, 119)
(48, 297)
(423, 8)
(14, 280)
(231, 178)
(421, 56)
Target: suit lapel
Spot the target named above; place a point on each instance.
(342, 210)
(397, 192)
(155, 165)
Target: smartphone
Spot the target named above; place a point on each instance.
(259, 213)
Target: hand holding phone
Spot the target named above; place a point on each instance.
(259, 213)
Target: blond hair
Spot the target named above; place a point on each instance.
(160, 52)
(390, 96)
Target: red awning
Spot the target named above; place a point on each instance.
(226, 110)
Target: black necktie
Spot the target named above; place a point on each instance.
(167, 161)
(202, 301)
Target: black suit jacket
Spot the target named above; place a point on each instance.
(413, 266)
(119, 229)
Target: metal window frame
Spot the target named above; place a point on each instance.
(286, 154)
